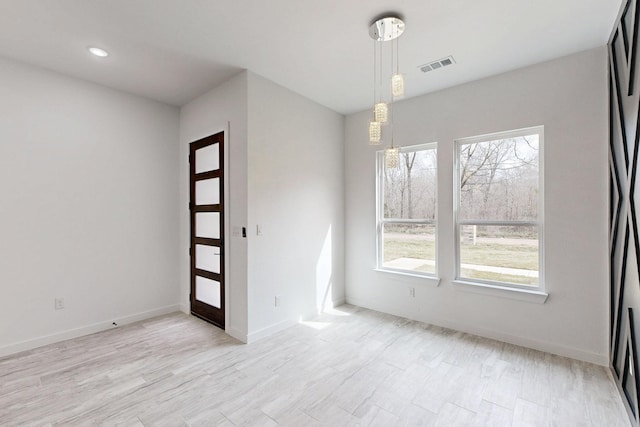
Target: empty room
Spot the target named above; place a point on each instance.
(283, 212)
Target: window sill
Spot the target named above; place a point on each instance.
(538, 297)
(424, 279)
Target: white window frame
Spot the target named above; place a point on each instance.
(540, 289)
(381, 221)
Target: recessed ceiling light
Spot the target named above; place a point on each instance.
(98, 52)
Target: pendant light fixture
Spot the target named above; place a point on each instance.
(397, 86)
(397, 80)
(375, 133)
(380, 112)
(391, 154)
(391, 157)
(385, 29)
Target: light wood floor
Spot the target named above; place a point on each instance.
(350, 367)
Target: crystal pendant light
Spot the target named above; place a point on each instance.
(380, 112)
(397, 80)
(391, 157)
(375, 133)
(397, 86)
(385, 29)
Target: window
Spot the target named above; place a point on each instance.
(406, 211)
(499, 209)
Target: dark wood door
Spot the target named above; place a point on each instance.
(206, 164)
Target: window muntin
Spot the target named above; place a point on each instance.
(407, 203)
(499, 207)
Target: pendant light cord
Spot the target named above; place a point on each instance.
(375, 76)
(391, 106)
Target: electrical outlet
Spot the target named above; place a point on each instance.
(412, 292)
(58, 303)
(276, 301)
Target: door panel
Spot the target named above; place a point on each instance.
(208, 159)
(208, 258)
(208, 191)
(208, 225)
(207, 228)
(208, 291)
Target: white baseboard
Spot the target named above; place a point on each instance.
(333, 304)
(545, 346)
(85, 330)
(287, 323)
(240, 336)
(269, 330)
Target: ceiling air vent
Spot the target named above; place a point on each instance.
(437, 64)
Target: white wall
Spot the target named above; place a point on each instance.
(90, 185)
(221, 109)
(284, 171)
(88, 196)
(569, 97)
(296, 195)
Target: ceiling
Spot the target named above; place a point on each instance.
(174, 50)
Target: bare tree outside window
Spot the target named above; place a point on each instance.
(499, 179)
(408, 196)
(498, 201)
